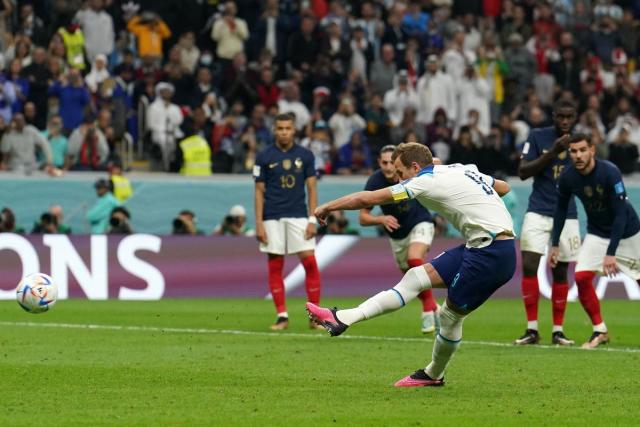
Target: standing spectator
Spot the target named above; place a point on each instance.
(362, 53)
(414, 22)
(321, 145)
(383, 70)
(229, 32)
(335, 47)
(39, 77)
(151, 32)
(193, 156)
(290, 103)
(20, 85)
(623, 152)
(73, 98)
(456, 59)
(354, 158)
(378, 124)
(604, 39)
(521, 62)
(97, 26)
(100, 212)
(406, 126)
(98, 74)
(57, 141)
(284, 222)
(31, 25)
(7, 98)
(302, 48)
(203, 85)
(268, 91)
(566, 70)
(436, 90)
(400, 97)
(163, 121)
(464, 150)
(189, 52)
(494, 69)
(439, 134)
(19, 145)
(270, 33)
(394, 33)
(74, 45)
(345, 122)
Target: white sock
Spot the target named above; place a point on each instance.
(532, 324)
(413, 282)
(283, 314)
(556, 328)
(600, 327)
(446, 343)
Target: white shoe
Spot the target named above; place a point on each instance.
(429, 322)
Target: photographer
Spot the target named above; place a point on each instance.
(48, 224)
(235, 223)
(8, 222)
(119, 221)
(185, 224)
(337, 223)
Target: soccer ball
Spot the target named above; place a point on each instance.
(36, 293)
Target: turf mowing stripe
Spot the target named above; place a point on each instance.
(287, 334)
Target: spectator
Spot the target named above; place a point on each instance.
(74, 45)
(189, 52)
(87, 147)
(337, 223)
(321, 145)
(383, 71)
(235, 223)
(399, 98)
(494, 69)
(8, 222)
(73, 98)
(194, 156)
(19, 145)
(302, 48)
(566, 70)
(464, 150)
(408, 124)
(354, 158)
(345, 122)
(362, 53)
(120, 221)
(414, 22)
(46, 225)
(31, 25)
(57, 212)
(229, 32)
(456, 59)
(7, 98)
(239, 82)
(436, 90)
(98, 74)
(604, 39)
(151, 31)
(378, 124)
(268, 92)
(20, 85)
(521, 62)
(336, 48)
(623, 152)
(57, 141)
(163, 121)
(97, 26)
(492, 156)
(270, 33)
(185, 224)
(394, 33)
(203, 85)
(31, 115)
(100, 212)
(439, 134)
(290, 103)
(120, 184)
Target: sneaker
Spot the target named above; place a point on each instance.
(531, 336)
(315, 325)
(597, 338)
(327, 318)
(558, 338)
(419, 379)
(428, 322)
(281, 324)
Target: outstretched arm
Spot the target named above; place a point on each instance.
(353, 201)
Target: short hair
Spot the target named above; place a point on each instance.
(578, 137)
(410, 152)
(563, 103)
(390, 148)
(285, 117)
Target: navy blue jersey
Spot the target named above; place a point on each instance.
(284, 174)
(609, 213)
(408, 212)
(544, 197)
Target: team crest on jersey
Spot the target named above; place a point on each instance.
(588, 191)
(600, 190)
(286, 164)
(298, 163)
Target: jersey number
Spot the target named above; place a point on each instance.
(480, 181)
(287, 181)
(557, 170)
(574, 243)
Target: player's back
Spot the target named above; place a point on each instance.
(465, 197)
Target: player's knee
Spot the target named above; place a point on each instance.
(530, 263)
(414, 281)
(584, 278)
(450, 323)
(559, 273)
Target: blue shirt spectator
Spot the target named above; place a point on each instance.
(73, 97)
(415, 21)
(354, 157)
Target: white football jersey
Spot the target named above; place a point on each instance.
(464, 196)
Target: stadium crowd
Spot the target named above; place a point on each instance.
(193, 86)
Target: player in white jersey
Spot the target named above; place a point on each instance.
(471, 272)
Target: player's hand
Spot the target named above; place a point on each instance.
(310, 232)
(609, 266)
(321, 213)
(261, 234)
(390, 223)
(553, 256)
(561, 144)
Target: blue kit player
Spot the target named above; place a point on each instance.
(471, 272)
(409, 227)
(284, 224)
(544, 157)
(612, 243)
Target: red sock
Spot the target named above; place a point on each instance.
(587, 295)
(428, 301)
(312, 279)
(531, 295)
(276, 283)
(559, 293)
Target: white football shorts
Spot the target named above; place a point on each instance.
(536, 236)
(422, 233)
(286, 236)
(594, 249)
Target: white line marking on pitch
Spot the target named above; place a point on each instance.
(285, 334)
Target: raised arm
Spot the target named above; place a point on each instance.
(529, 168)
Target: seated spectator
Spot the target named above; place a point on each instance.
(57, 212)
(88, 148)
(290, 103)
(189, 52)
(268, 91)
(203, 85)
(98, 74)
(7, 98)
(337, 223)
(99, 214)
(73, 97)
(38, 76)
(354, 158)
(321, 145)
(383, 70)
(345, 122)
(623, 152)
(408, 124)
(235, 223)
(185, 224)
(120, 221)
(440, 136)
(163, 121)
(464, 150)
(20, 85)
(400, 97)
(492, 158)
(57, 141)
(19, 146)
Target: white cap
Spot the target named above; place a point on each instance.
(237, 210)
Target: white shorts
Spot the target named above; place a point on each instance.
(420, 233)
(594, 249)
(286, 236)
(536, 235)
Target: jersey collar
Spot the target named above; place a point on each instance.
(426, 170)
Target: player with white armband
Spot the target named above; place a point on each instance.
(471, 272)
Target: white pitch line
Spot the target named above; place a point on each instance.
(288, 334)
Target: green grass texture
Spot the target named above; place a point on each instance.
(214, 362)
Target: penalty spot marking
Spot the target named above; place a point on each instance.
(134, 328)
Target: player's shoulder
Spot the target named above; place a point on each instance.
(302, 151)
(542, 134)
(377, 179)
(608, 168)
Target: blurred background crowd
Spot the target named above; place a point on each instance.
(191, 86)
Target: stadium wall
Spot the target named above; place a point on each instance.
(150, 267)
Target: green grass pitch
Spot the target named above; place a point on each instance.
(214, 362)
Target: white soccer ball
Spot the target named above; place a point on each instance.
(36, 293)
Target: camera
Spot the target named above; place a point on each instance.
(339, 222)
(232, 220)
(119, 221)
(179, 227)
